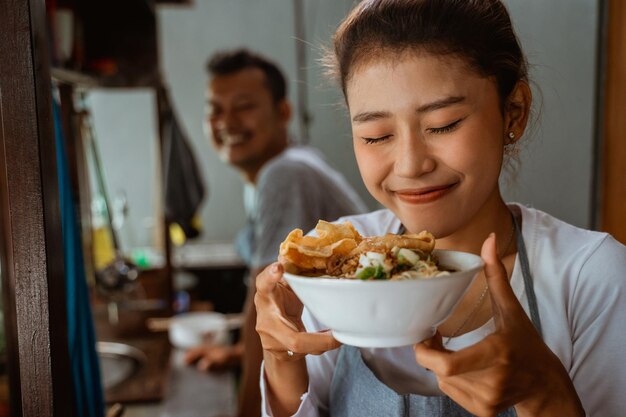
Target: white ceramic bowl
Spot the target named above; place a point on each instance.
(192, 329)
(387, 313)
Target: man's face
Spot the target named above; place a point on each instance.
(248, 128)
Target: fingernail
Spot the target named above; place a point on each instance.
(274, 269)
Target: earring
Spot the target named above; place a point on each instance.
(511, 148)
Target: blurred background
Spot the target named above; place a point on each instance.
(560, 38)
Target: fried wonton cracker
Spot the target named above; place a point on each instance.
(423, 241)
(312, 252)
(337, 247)
(346, 265)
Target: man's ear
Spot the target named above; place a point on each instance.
(517, 110)
(285, 111)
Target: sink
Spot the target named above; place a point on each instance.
(118, 362)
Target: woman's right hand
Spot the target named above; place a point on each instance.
(281, 330)
(279, 322)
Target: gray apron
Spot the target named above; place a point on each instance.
(356, 391)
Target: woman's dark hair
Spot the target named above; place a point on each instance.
(479, 31)
(230, 62)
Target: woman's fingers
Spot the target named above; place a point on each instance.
(304, 342)
(300, 343)
(314, 343)
(469, 376)
(278, 334)
(461, 395)
(296, 327)
(465, 396)
(278, 319)
(435, 342)
(269, 278)
(290, 304)
(444, 362)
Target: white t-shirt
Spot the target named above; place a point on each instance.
(580, 282)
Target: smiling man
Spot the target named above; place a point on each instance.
(286, 187)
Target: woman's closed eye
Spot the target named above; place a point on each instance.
(379, 139)
(445, 129)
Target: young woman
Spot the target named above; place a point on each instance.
(438, 95)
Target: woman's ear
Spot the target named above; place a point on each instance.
(517, 110)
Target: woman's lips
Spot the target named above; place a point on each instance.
(424, 195)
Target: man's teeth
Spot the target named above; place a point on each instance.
(230, 140)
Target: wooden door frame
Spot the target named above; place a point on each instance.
(610, 195)
(31, 249)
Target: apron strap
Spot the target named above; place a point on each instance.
(528, 278)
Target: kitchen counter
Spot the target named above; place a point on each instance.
(164, 386)
(208, 255)
(193, 255)
(191, 393)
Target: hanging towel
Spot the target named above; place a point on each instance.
(184, 188)
(88, 394)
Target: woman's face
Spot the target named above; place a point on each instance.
(428, 137)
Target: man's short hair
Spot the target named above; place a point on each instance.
(232, 61)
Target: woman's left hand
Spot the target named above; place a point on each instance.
(511, 367)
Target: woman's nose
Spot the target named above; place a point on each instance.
(412, 157)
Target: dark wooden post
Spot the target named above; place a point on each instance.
(612, 146)
(31, 247)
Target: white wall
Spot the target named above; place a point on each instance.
(558, 35)
(124, 125)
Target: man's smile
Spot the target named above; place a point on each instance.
(233, 139)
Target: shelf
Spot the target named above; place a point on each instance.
(75, 78)
(85, 81)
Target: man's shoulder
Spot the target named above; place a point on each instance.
(303, 170)
(301, 160)
(283, 173)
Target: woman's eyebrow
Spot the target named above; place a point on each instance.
(439, 104)
(369, 116)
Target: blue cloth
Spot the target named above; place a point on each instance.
(88, 394)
